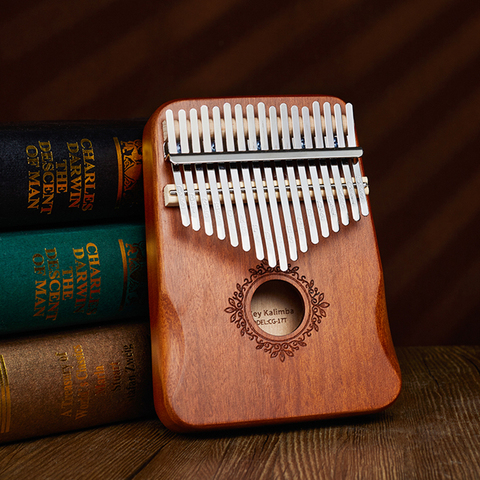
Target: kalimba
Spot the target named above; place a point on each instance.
(266, 289)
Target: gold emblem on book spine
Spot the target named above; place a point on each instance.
(134, 271)
(129, 156)
(5, 400)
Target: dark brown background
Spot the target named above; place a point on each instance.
(410, 67)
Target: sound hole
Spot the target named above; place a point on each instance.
(277, 307)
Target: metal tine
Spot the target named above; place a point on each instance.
(292, 180)
(307, 201)
(272, 198)
(227, 201)
(307, 135)
(212, 178)
(317, 121)
(200, 175)
(330, 143)
(257, 176)
(252, 208)
(187, 171)
(177, 175)
(352, 142)
(237, 192)
(287, 217)
(345, 163)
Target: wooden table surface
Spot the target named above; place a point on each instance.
(431, 432)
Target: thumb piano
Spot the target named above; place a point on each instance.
(266, 289)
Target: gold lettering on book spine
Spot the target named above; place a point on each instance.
(5, 400)
(125, 272)
(129, 157)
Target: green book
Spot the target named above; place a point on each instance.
(71, 276)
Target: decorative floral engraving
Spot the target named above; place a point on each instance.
(280, 348)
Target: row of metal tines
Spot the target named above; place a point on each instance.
(265, 158)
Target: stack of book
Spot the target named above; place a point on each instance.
(74, 331)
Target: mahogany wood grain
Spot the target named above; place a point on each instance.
(211, 371)
(432, 431)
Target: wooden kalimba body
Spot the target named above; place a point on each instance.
(266, 290)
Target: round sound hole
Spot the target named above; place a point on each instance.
(277, 307)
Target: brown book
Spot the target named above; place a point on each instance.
(74, 379)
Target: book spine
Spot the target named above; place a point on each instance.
(70, 276)
(51, 383)
(70, 171)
